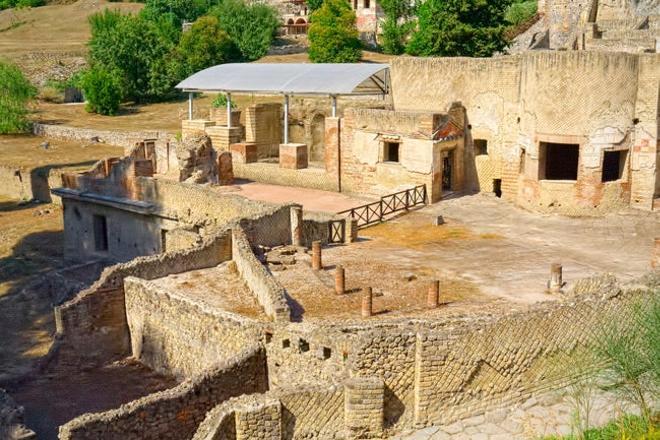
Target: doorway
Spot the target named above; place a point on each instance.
(447, 166)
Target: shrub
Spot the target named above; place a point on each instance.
(16, 92)
(251, 27)
(519, 12)
(333, 36)
(137, 49)
(204, 45)
(181, 10)
(6, 4)
(459, 28)
(103, 90)
(397, 25)
(220, 101)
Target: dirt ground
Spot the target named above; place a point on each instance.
(30, 245)
(51, 401)
(26, 151)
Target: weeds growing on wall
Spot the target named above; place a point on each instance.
(16, 92)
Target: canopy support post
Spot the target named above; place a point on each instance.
(228, 110)
(190, 106)
(286, 119)
(334, 106)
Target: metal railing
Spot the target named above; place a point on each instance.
(372, 213)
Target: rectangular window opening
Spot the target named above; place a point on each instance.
(327, 353)
(497, 187)
(163, 240)
(100, 233)
(613, 165)
(480, 147)
(367, 4)
(391, 151)
(560, 160)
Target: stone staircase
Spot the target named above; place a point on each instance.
(638, 34)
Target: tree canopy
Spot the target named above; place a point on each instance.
(459, 28)
(333, 36)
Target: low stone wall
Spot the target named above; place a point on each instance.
(31, 183)
(437, 376)
(92, 327)
(269, 293)
(11, 420)
(315, 178)
(308, 412)
(178, 335)
(175, 413)
(126, 139)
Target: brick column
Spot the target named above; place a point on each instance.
(296, 225)
(223, 137)
(340, 280)
(225, 168)
(332, 141)
(367, 302)
(316, 255)
(433, 297)
(364, 407)
(555, 284)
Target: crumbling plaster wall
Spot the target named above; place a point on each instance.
(178, 335)
(364, 169)
(177, 412)
(516, 102)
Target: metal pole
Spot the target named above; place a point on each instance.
(190, 105)
(286, 119)
(334, 106)
(228, 110)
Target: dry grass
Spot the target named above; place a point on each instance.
(416, 231)
(26, 152)
(54, 28)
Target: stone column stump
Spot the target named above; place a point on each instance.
(293, 156)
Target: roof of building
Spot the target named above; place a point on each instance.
(292, 79)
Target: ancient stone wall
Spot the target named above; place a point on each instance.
(126, 139)
(175, 413)
(304, 412)
(437, 376)
(177, 335)
(92, 327)
(516, 103)
(268, 292)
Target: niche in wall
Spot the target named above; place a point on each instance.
(558, 161)
(613, 165)
(480, 147)
(391, 151)
(100, 233)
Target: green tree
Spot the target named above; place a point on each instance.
(313, 5)
(137, 49)
(16, 92)
(180, 10)
(333, 36)
(397, 25)
(251, 27)
(459, 28)
(103, 90)
(204, 45)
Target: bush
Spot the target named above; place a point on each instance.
(519, 12)
(16, 92)
(333, 36)
(220, 101)
(459, 28)
(626, 427)
(204, 45)
(103, 90)
(251, 27)
(6, 4)
(181, 10)
(137, 49)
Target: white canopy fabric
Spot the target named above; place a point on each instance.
(291, 79)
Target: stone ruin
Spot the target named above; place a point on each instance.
(197, 159)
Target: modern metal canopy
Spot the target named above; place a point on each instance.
(288, 79)
(291, 79)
